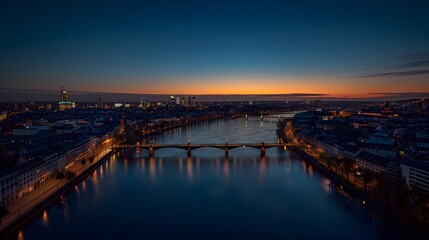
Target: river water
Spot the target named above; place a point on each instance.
(208, 196)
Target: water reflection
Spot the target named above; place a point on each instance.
(20, 235)
(160, 161)
(262, 168)
(45, 219)
(152, 168)
(143, 164)
(181, 166)
(189, 169)
(226, 169)
(326, 185)
(246, 196)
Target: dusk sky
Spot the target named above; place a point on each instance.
(340, 48)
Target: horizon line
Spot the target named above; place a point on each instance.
(297, 94)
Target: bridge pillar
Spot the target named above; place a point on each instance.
(263, 149)
(151, 152)
(189, 152)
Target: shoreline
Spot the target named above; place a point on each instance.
(8, 230)
(49, 200)
(158, 131)
(369, 201)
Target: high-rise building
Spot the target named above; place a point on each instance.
(144, 103)
(183, 101)
(425, 103)
(64, 100)
(172, 100)
(64, 95)
(178, 100)
(193, 102)
(100, 103)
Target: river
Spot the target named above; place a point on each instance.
(131, 196)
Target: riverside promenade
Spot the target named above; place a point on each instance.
(353, 189)
(36, 200)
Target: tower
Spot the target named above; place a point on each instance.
(100, 103)
(64, 100)
(144, 103)
(64, 95)
(172, 100)
(194, 103)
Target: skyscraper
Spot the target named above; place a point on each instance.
(172, 100)
(193, 103)
(64, 95)
(100, 103)
(64, 100)
(144, 103)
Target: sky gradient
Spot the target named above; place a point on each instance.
(346, 49)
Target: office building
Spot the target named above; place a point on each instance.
(100, 103)
(65, 101)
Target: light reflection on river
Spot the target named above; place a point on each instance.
(208, 196)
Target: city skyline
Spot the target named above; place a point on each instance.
(340, 50)
(214, 119)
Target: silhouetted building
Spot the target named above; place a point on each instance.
(64, 95)
(172, 100)
(144, 103)
(425, 103)
(64, 100)
(100, 103)
(194, 102)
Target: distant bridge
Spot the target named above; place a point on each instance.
(189, 147)
(263, 117)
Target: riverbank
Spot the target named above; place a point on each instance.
(282, 189)
(158, 131)
(366, 198)
(21, 211)
(32, 204)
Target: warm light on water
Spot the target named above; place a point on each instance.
(172, 196)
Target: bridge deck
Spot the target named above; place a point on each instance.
(201, 145)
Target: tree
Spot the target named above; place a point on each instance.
(60, 175)
(70, 175)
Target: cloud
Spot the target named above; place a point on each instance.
(413, 64)
(400, 93)
(396, 74)
(410, 57)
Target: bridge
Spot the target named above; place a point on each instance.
(189, 147)
(262, 117)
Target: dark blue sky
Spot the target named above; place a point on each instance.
(206, 46)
